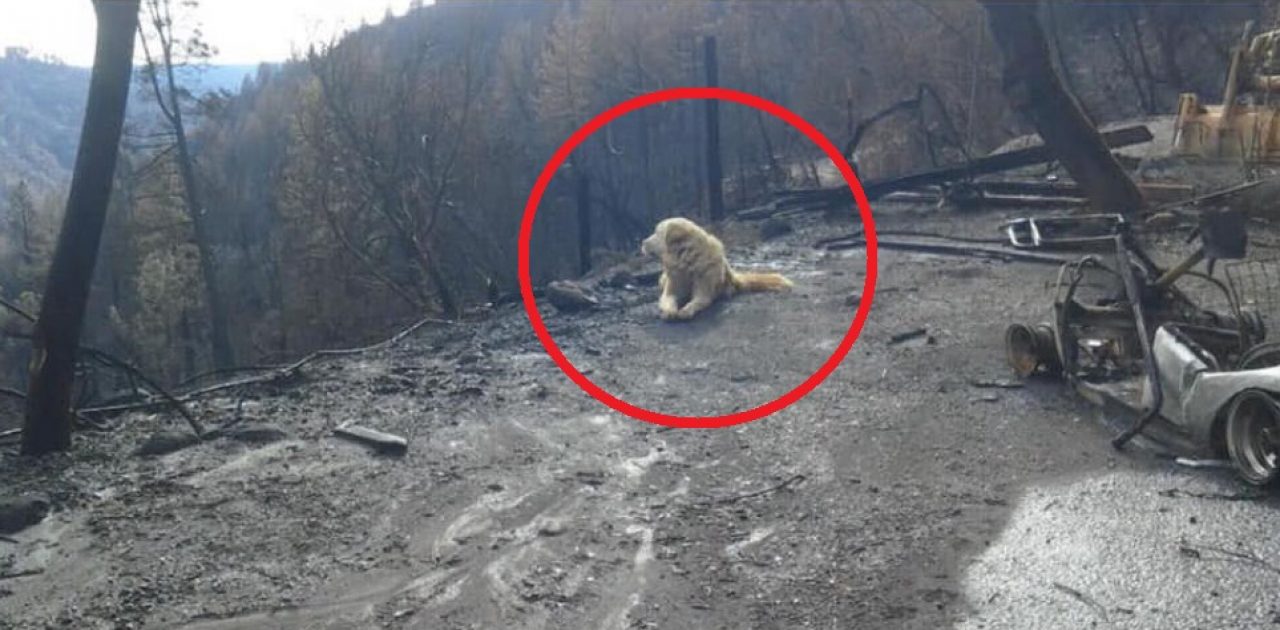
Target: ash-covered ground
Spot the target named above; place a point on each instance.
(905, 492)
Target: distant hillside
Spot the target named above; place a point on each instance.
(229, 77)
(41, 106)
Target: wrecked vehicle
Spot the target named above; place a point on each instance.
(1200, 381)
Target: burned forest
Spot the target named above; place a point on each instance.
(656, 314)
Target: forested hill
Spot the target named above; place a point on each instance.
(41, 106)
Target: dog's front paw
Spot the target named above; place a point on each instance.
(681, 315)
(668, 314)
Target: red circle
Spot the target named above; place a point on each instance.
(699, 93)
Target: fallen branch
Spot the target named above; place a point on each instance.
(1174, 493)
(20, 574)
(112, 361)
(1192, 550)
(1210, 196)
(759, 493)
(17, 309)
(290, 368)
(1084, 599)
(276, 372)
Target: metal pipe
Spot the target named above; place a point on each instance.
(1148, 357)
(1172, 275)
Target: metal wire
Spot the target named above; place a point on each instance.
(1255, 285)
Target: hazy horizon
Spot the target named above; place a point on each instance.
(243, 32)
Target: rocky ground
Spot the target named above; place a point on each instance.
(905, 492)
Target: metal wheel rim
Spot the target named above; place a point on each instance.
(1261, 356)
(1253, 425)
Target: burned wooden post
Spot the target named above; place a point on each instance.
(582, 186)
(56, 336)
(1035, 90)
(715, 172)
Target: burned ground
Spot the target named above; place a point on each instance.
(906, 491)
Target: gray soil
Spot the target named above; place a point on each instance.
(897, 495)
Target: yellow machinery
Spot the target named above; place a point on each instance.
(1246, 126)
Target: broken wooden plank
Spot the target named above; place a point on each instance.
(1008, 160)
(384, 443)
(954, 249)
(1030, 187)
(1160, 193)
(1021, 201)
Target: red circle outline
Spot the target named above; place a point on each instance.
(696, 93)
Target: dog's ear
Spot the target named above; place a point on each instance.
(678, 235)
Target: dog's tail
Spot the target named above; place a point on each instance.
(760, 282)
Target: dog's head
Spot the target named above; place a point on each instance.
(669, 235)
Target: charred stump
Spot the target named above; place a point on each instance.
(715, 171)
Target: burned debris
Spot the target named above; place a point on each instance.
(1182, 352)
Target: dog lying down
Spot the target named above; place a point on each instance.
(695, 272)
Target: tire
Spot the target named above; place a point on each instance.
(1263, 355)
(1252, 436)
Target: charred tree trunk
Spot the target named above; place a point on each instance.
(171, 109)
(582, 186)
(1034, 89)
(57, 330)
(715, 171)
(223, 355)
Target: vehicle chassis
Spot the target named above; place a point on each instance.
(1198, 381)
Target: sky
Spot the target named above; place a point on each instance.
(243, 31)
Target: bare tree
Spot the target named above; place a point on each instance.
(394, 129)
(159, 72)
(56, 336)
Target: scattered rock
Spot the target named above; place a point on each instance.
(620, 279)
(853, 299)
(570, 297)
(773, 227)
(590, 477)
(647, 278)
(470, 358)
(165, 442)
(19, 513)
(256, 433)
(909, 335)
(536, 391)
(469, 392)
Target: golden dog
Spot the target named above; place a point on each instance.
(695, 272)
